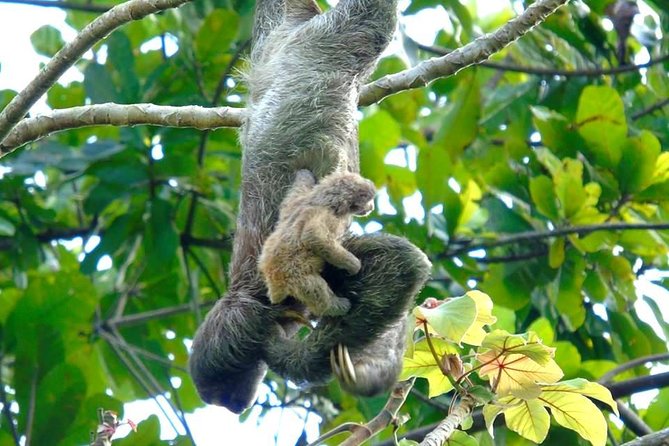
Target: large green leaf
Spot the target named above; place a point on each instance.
(601, 122)
(216, 34)
(47, 40)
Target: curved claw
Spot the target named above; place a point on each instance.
(342, 366)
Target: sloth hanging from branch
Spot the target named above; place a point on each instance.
(304, 81)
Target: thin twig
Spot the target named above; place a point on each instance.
(6, 410)
(140, 318)
(206, 273)
(608, 377)
(650, 109)
(549, 71)
(7, 242)
(30, 419)
(387, 416)
(470, 245)
(192, 288)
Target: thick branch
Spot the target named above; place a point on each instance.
(527, 236)
(32, 129)
(660, 438)
(70, 53)
(445, 428)
(470, 54)
(61, 4)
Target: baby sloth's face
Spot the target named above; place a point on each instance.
(362, 203)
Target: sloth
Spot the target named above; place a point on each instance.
(312, 221)
(306, 69)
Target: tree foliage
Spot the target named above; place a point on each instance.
(539, 177)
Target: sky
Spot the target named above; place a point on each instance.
(19, 64)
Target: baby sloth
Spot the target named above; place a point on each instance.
(312, 221)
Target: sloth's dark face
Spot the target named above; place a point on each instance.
(362, 209)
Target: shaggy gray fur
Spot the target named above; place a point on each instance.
(306, 70)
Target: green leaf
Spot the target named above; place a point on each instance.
(601, 122)
(556, 131)
(556, 253)
(121, 61)
(459, 438)
(379, 133)
(7, 228)
(452, 319)
(59, 396)
(148, 434)
(569, 187)
(99, 84)
(637, 166)
(657, 415)
(47, 40)
(543, 196)
(459, 126)
(566, 291)
(216, 34)
(161, 239)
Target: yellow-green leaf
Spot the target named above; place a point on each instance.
(476, 333)
(423, 365)
(584, 387)
(527, 344)
(556, 253)
(578, 413)
(509, 374)
(529, 419)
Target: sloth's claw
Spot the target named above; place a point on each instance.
(342, 366)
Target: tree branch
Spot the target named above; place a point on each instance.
(660, 438)
(32, 129)
(608, 377)
(445, 428)
(472, 53)
(384, 418)
(61, 5)
(549, 71)
(659, 105)
(469, 245)
(70, 53)
(140, 318)
(6, 410)
(8, 242)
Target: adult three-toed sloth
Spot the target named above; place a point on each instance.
(306, 70)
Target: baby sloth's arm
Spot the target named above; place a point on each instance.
(323, 242)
